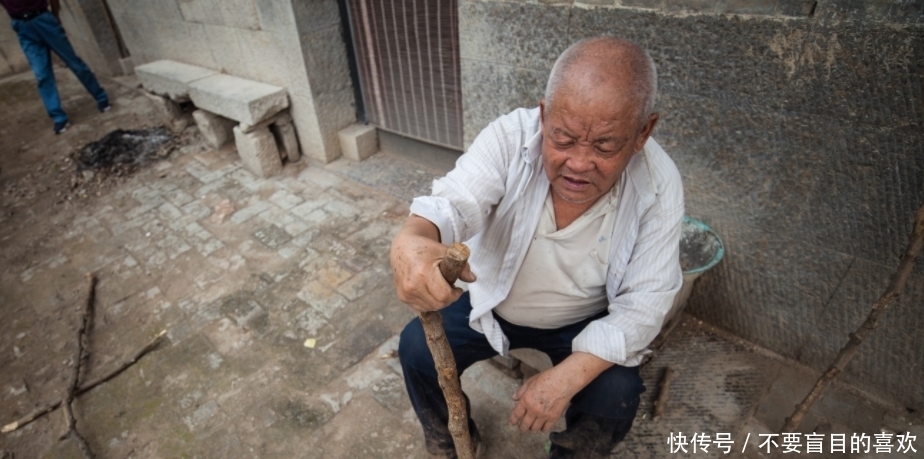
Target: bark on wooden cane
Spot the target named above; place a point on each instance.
(451, 267)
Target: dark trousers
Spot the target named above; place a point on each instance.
(598, 418)
(41, 35)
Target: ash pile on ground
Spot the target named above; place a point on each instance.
(103, 163)
(121, 150)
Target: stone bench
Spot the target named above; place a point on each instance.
(170, 79)
(258, 109)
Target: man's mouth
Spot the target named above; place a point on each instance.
(576, 182)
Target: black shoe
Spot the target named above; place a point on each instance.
(61, 127)
(103, 106)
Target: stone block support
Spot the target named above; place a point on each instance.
(284, 131)
(258, 151)
(170, 111)
(358, 141)
(216, 130)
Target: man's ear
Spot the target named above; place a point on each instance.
(645, 132)
(542, 111)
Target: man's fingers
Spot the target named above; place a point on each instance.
(521, 390)
(516, 414)
(527, 423)
(549, 424)
(467, 274)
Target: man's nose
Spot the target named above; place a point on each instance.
(581, 159)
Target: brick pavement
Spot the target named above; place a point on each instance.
(303, 256)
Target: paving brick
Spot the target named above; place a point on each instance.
(310, 319)
(246, 179)
(307, 208)
(285, 200)
(289, 250)
(169, 212)
(173, 246)
(272, 236)
(319, 177)
(322, 298)
(342, 209)
(363, 283)
(136, 222)
(249, 212)
(178, 197)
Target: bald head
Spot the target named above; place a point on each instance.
(605, 67)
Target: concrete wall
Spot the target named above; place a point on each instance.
(91, 35)
(324, 52)
(798, 128)
(12, 60)
(261, 40)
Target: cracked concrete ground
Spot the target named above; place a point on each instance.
(281, 317)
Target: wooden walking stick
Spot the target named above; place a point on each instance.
(450, 267)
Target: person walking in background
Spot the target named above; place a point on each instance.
(39, 32)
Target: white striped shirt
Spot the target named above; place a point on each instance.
(493, 198)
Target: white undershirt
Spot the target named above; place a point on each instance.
(563, 277)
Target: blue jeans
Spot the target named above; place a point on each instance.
(42, 34)
(599, 417)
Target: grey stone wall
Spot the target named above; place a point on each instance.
(797, 127)
(320, 35)
(88, 29)
(12, 60)
(261, 40)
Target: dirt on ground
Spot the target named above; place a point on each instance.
(43, 186)
(40, 172)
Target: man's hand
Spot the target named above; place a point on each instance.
(542, 399)
(415, 257)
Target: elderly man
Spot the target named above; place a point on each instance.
(573, 216)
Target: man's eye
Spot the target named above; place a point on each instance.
(560, 144)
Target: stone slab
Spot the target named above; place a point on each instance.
(170, 78)
(240, 99)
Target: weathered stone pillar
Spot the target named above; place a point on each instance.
(258, 151)
(216, 130)
(284, 131)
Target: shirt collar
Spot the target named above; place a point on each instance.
(532, 148)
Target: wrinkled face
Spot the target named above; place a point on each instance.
(586, 145)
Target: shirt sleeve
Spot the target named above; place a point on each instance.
(651, 281)
(462, 200)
